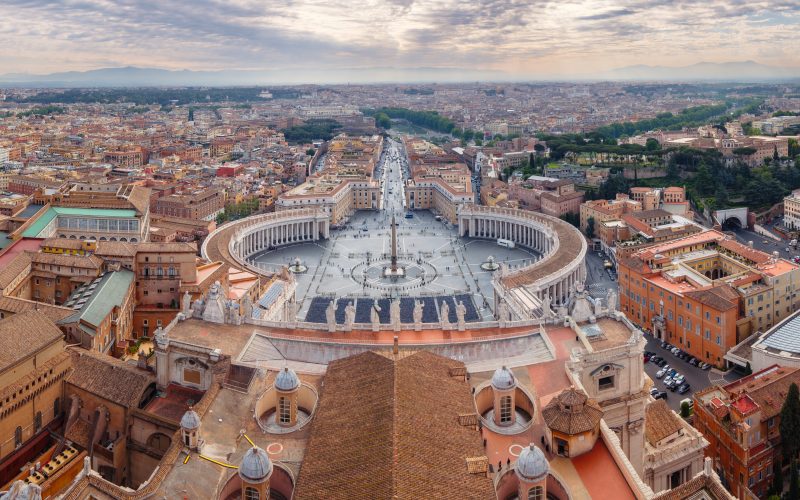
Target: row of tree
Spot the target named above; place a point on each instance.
(235, 211)
(311, 130)
(164, 97)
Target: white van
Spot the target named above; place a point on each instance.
(505, 243)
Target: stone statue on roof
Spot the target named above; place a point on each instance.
(330, 316)
(444, 315)
(418, 310)
(375, 317)
(502, 312)
(349, 315)
(186, 303)
(547, 309)
(461, 313)
(394, 313)
(611, 299)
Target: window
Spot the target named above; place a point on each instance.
(37, 421)
(535, 493)
(18, 437)
(56, 407)
(606, 383)
(251, 494)
(505, 409)
(284, 410)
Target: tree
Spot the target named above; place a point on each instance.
(777, 479)
(794, 486)
(382, 120)
(590, 227)
(721, 196)
(790, 424)
(685, 410)
(310, 152)
(652, 145)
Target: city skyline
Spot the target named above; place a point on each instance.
(387, 40)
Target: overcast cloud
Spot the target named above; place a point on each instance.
(536, 37)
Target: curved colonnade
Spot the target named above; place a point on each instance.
(560, 269)
(555, 275)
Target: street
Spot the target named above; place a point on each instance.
(598, 280)
(697, 378)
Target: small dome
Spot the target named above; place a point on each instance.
(532, 465)
(256, 466)
(503, 379)
(190, 420)
(287, 380)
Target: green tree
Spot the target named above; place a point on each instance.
(777, 478)
(310, 151)
(790, 424)
(652, 145)
(721, 197)
(590, 227)
(383, 121)
(794, 486)
(685, 410)
(794, 148)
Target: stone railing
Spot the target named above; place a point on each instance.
(640, 490)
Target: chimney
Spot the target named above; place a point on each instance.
(396, 346)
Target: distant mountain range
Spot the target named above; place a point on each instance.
(149, 77)
(743, 71)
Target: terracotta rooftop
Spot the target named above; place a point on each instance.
(767, 388)
(24, 334)
(109, 378)
(701, 486)
(572, 412)
(387, 428)
(720, 297)
(660, 422)
(15, 305)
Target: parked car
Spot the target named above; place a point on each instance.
(646, 358)
(667, 381)
(693, 361)
(672, 372)
(679, 379)
(660, 373)
(662, 362)
(705, 366)
(661, 395)
(684, 388)
(674, 351)
(655, 359)
(663, 344)
(654, 391)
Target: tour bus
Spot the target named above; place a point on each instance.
(505, 243)
(409, 215)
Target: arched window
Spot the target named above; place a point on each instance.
(159, 441)
(187, 440)
(251, 494)
(37, 421)
(284, 410)
(18, 437)
(536, 493)
(56, 407)
(505, 409)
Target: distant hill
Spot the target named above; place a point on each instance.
(730, 71)
(150, 77)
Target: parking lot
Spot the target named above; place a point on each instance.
(698, 379)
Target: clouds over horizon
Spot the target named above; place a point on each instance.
(514, 36)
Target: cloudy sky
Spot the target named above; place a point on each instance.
(517, 37)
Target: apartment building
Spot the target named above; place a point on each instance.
(741, 422)
(705, 292)
(196, 204)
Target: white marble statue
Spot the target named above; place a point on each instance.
(598, 307)
(247, 307)
(502, 312)
(330, 315)
(374, 316)
(186, 303)
(394, 312)
(547, 309)
(444, 315)
(197, 308)
(611, 298)
(349, 315)
(418, 309)
(461, 313)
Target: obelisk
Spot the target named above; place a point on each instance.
(394, 248)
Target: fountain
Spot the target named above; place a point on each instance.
(490, 264)
(298, 267)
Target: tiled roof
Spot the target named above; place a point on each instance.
(94, 301)
(572, 412)
(721, 297)
(23, 334)
(387, 428)
(694, 488)
(14, 268)
(660, 422)
(56, 259)
(767, 388)
(109, 378)
(15, 305)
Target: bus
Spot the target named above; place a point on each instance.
(505, 243)
(409, 215)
